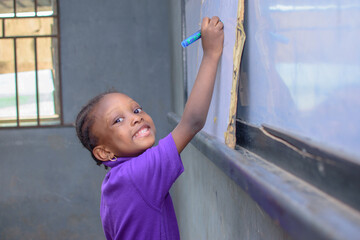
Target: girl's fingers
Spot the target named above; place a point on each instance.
(215, 20)
(205, 21)
(220, 25)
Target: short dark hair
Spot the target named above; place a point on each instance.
(84, 123)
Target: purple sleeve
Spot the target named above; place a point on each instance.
(154, 172)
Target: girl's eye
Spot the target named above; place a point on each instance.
(118, 120)
(138, 110)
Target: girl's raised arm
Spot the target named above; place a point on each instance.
(197, 106)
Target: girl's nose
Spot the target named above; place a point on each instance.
(136, 119)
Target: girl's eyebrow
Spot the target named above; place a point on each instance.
(133, 102)
(111, 112)
(111, 116)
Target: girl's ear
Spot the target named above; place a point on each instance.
(101, 153)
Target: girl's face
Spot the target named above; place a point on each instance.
(122, 127)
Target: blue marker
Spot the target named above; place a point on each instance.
(191, 39)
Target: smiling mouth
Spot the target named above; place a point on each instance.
(143, 132)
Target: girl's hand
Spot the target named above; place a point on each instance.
(212, 36)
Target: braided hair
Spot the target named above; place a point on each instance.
(85, 120)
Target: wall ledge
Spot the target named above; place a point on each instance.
(298, 207)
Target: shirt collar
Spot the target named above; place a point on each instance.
(118, 161)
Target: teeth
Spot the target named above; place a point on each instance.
(142, 131)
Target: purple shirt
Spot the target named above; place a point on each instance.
(135, 199)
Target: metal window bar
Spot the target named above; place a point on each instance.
(59, 63)
(35, 7)
(36, 83)
(36, 61)
(16, 86)
(14, 6)
(42, 36)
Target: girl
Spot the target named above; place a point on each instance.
(135, 200)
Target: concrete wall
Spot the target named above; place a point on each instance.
(211, 206)
(116, 44)
(50, 186)
(208, 204)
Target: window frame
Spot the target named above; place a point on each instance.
(38, 120)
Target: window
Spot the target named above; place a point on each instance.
(300, 70)
(298, 104)
(30, 87)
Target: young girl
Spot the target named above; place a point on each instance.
(135, 200)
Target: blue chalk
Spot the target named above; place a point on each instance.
(191, 39)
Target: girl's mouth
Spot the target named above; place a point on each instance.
(142, 132)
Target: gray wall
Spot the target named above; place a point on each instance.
(116, 44)
(50, 187)
(210, 206)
